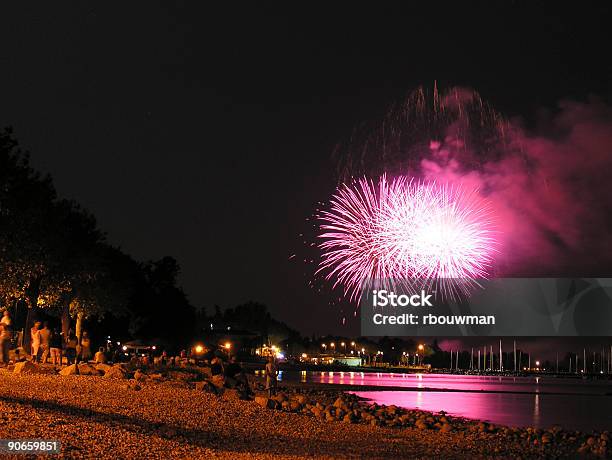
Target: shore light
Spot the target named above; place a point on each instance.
(124, 347)
(199, 348)
(228, 345)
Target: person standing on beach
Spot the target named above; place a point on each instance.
(71, 348)
(100, 356)
(5, 341)
(85, 351)
(56, 348)
(45, 339)
(35, 344)
(271, 373)
(6, 318)
(217, 372)
(5, 337)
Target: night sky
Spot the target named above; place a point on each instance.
(207, 134)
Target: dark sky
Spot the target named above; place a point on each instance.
(207, 134)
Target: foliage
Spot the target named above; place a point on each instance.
(54, 256)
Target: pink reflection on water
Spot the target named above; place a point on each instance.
(582, 412)
(464, 382)
(516, 401)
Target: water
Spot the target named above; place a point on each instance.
(515, 401)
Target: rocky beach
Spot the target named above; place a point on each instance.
(117, 412)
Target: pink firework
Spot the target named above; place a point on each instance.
(403, 231)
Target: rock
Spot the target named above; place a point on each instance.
(280, 397)
(316, 411)
(392, 409)
(26, 367)
(116, 372)
(156, 377)
(446, 428)
(294, 406)
(266, 402)
(103, 367)
(87, 369)
(70, 370)
(421, 424)
(139, 375)
(405, 418)
(301, 399)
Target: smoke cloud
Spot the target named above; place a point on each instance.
(550, 190)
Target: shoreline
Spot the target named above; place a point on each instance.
(349, 387)
(146, 413)
(442, 371)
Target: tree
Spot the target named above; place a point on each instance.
(159, 308)
(52, 253)
(53, 256)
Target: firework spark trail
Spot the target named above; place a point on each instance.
(405, 230)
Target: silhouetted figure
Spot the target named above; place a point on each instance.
(85, 348)
(100, 357)
(5, 341)
(5, 337)
(45, 337)
(235, 377)
(35, 343)
(271, 373)
(56, 348)
(216, 371)
(71, 348)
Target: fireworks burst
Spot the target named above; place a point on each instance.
(404, 230)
